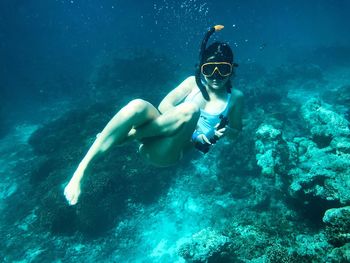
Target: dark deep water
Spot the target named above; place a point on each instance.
(49, 48)
(278, 194)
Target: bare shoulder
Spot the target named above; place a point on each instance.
(237, 94)
(237, 97)
(235, 115)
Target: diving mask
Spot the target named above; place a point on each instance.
(224, 69)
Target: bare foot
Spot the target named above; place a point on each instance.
(72, 191)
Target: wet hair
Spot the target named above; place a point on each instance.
(216, 52)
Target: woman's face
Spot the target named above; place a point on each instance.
(216, 73)
(217, 83)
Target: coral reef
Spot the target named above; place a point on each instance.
(308, 175)
(321, 178)
(315, 169)
(340, 95)
(324, 124)
(205, 246)
(340, 254)
(280, 254)
(272, 151)
(337, 222)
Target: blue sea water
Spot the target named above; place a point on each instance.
(68, 65)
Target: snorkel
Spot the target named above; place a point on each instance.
(201, 52)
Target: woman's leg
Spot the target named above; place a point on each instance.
(177, 126)
(134, 114)
(139, 119)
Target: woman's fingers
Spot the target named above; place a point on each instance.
(220, 133)
(222, 130)
(204, 139)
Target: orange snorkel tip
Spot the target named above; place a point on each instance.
(218, 27)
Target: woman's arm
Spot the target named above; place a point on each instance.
(177, 95)
(235, 116)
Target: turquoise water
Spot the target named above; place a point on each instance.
(279, 193)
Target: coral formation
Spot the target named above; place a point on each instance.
(205, 246)
(272, 151)
(337, 222)
(323, 162)
(324, 123)
(312, 171)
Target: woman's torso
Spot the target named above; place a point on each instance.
(211, 111)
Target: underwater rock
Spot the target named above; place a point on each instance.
(205, 246)
(321, 174)
(323, 162)
(280, 254)
(54, 215)
(339, 254)
(275, 157)
(337, 222)
(248, 237)
(339, 95)
(272, 151)
(341, 145)
(311, 247)
(321, 180)
(324, 123)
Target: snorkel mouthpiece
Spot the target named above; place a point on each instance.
(202, 49)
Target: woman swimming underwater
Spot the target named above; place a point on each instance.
(199, 111)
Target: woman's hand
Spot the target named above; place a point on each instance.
(220, 132)
(203, 139)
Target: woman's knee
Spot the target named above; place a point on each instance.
(136, 107)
